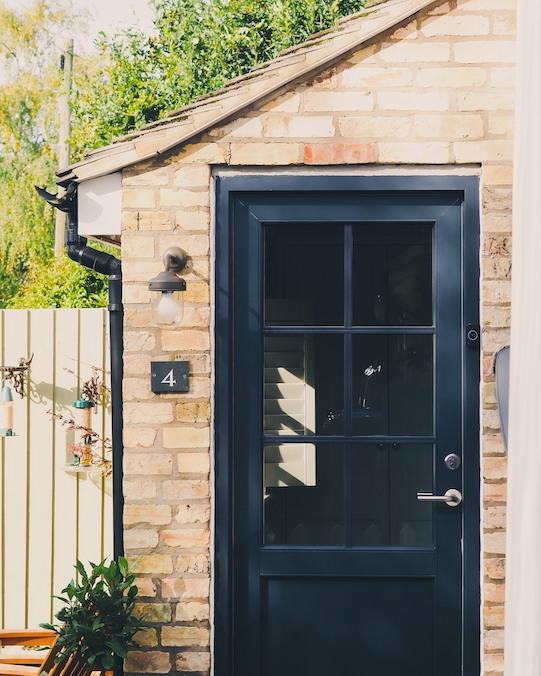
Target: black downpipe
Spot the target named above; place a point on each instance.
(116, 324)
(106, 264)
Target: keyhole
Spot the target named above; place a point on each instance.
(452, 461)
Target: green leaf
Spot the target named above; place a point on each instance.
(117, 648)
(123, 565)
(107, 661)
(81, 570)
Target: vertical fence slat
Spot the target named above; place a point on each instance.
(66, 483)
(107, 507)
(29, 473)
(90, 482)
(54, 455)
(16, 517)
(2, 500)
(41, 458)
(101, 423)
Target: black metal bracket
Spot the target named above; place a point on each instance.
(16, 375)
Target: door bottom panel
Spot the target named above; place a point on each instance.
(351, 627)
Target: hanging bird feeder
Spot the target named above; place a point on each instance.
(6, 411)
(83, 421)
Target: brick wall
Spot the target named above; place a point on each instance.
(437, 91)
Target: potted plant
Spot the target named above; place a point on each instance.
(97, 619)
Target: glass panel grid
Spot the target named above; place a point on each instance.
(296, 466)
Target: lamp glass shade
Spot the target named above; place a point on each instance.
(167, 307)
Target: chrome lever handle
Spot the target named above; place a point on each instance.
(452, 497)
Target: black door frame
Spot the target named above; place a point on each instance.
(466, 189)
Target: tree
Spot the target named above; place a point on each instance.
(30, 276)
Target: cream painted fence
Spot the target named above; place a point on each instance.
(50, 515)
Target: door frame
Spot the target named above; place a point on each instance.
(467, 192)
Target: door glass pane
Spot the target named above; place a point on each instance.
(304, 384)
(385, 480)
(392, 384)
(392, 275)
(410, 472)
(304, 274)
(303, 494)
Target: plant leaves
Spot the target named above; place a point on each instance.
(123, 565)
(97, 617)
(117, 648)
(81, 570)
(107, 661)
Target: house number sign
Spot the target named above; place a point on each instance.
(169, 376)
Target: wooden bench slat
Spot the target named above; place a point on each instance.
(18, 670)
(21, 658)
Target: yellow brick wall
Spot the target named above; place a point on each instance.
(438, 91)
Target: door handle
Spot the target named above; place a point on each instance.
(452, 497)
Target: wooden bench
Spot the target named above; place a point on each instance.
(33, 664)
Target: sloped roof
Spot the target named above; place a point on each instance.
(297, 63)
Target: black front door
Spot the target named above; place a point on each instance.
(347, 427)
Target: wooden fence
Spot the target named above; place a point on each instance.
(50, 515)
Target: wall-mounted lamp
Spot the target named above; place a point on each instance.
(167, 288)
(6, 411)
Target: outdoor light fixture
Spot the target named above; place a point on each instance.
(167, 288)
(6, 411)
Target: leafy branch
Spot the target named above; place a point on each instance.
(94, 389)
(90, 439)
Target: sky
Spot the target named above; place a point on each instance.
(111, 16)
(103, 15)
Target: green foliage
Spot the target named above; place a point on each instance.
(97, 619)
(198, 45)
(28, 133)
(59, 282)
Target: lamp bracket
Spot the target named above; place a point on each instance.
(175, 259)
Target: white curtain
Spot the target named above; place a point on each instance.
(523, 591)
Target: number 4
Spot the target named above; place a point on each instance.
(169, 379)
